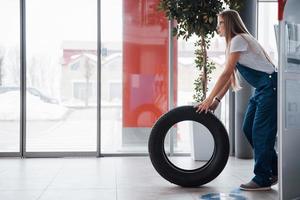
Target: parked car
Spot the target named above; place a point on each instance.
(32, 91)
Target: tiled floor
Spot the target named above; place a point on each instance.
(114, 178)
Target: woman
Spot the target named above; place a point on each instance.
(243, 53)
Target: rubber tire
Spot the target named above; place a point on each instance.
(183, 177)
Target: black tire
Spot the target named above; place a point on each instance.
(183, 177)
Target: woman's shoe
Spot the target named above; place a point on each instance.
(252, 186)
(274, 180)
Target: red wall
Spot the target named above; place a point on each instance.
(145, 63)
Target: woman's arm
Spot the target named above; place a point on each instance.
(217, 100)
(222, 82)
(221, 94)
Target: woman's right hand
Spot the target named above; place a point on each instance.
(214, 105)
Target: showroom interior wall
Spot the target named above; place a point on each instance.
(88, 118)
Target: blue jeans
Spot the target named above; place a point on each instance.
(260, 122)
(260, 128)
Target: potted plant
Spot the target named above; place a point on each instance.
(198, 17)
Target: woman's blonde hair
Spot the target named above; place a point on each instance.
(233, 25)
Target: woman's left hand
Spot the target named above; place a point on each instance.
(204, 105)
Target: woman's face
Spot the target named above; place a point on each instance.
(220, 26)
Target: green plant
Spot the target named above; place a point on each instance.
(197, 17)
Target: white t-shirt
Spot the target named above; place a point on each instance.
(251, 56)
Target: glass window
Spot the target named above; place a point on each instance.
(267, 19)
(9, 76)
(187, 73)
(61, 75)
(134, 82)
(111, 75)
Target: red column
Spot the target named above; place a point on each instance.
(281, 4)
